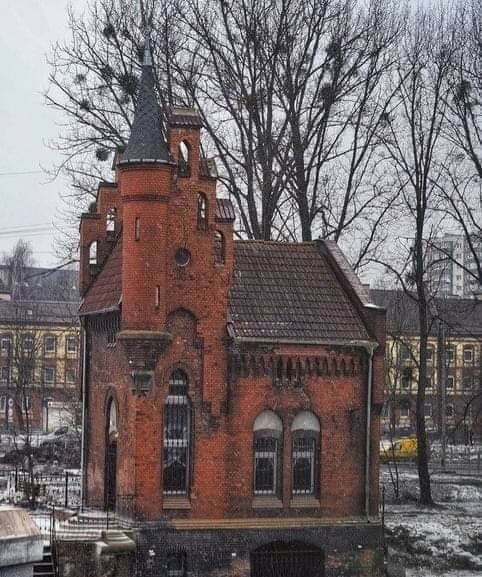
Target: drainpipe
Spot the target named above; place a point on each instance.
(370, 349)
(84, 429)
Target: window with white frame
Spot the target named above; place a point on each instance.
(407, 375)
(429, 354)
(305, 431)
(177, 436)
(50, 343)
(450, 382)
(427, 410)
(268, 431)
(28, 343)
(468, 355)
(467, 382)
(49, 375)
(71, 344)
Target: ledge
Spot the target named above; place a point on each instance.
(305, 502)
(267, 502)
(177, 503)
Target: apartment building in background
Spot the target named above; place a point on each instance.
(452, 270)
(39, 349)
(454, 357)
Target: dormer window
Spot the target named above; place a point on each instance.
(184, 160)
(202, 212)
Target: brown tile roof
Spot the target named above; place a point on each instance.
(280, 292)
(106, 291)
(224, 210)
(289, 292)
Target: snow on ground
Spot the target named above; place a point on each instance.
(443, 540)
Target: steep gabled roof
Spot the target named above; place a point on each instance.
(146, 142)
(289, 292)
(106, 291)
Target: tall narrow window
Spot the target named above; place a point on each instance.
(184, 160)
(268, 430)
(306, 441)
(137, 228)
(219, 248)
(157, 298)
(110, 220)
(202, 212)
(93, 253)
(177, 436)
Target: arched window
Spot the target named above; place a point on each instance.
(110, 220)
(93, 253)
(219, 248)
(177, 436)
(306, 442)
(202, 212)
(110, 472)
(184, 160)
(268, 431)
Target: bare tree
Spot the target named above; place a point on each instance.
(293, 95)
(414, 144)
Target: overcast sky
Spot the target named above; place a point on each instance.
(28, 202)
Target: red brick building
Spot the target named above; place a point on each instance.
(232, 388)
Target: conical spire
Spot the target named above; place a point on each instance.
(146, 142)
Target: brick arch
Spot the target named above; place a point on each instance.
(183, 323)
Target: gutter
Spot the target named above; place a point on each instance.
(370, 350)
(84, 429)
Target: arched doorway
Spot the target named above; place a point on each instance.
(292, 559)
(110, 470)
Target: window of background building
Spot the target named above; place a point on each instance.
(428, 382)
(405, 352)
(450, 382)
(449, 410)
(407, 378)
(71, 344)
(4, 374)
(50, 343)
(304, 462)
(427, 409)
(28, 343)
(467, 382)
(268, 431)
(450, 352)
(468, 355)
(177, 436)
(49, 375)
(5, 343)
(404, 411)
(3, 404)
(70, 376)
(429, 354)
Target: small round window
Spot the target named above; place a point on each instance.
(183, 257)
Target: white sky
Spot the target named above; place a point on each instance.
(27, 30)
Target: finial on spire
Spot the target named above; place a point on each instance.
(146, 28)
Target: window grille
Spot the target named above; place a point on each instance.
(177, 437)
(303, 465)
(266, 466)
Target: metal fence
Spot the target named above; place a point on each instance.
(59, 489)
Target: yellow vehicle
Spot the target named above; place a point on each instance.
(403, 449)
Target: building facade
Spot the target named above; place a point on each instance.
(452, 266)
(233, 389)
(454, 379)
(39, 350)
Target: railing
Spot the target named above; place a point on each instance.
(59, 489)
